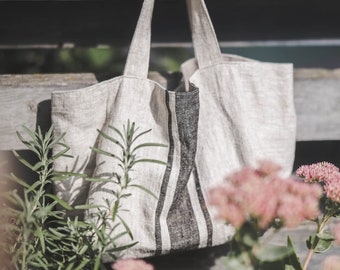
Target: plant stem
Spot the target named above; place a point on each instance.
(308, 258)
(320, 229)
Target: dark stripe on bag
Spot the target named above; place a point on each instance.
(164, 187)
(181, 220)
(204, 208)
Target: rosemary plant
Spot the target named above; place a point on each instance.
(127, 142)
(37, 236)
(32, 213)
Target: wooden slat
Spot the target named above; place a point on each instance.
(92, 23)
(25, 100)
(317, 102)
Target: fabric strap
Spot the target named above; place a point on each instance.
(206, 47)
(137, 63)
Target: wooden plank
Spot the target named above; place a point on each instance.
(25, 100)
(317, 99)
(93, 23)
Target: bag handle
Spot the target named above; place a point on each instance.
(205, 43)
(137, 63)
(206, 47)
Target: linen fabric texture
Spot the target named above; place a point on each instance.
(226, 112)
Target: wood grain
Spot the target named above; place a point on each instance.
(317, 99)
(25, 100)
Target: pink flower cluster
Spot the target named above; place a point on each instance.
(318, 172)
(263, 195)
(325, 173)
(131, 264)
(336, 233)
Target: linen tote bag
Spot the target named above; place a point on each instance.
(226, 112)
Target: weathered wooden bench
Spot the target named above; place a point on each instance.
(25, 99)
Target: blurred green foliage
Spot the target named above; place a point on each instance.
(104, 62)
(109, 62)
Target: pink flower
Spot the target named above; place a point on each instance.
(318, 172)
(262, 195)
(326, 173)
(336, 233)
(291, 210)
(331, 263)
(332, 188)
(267, 167)
(227, 202)
(131, 264)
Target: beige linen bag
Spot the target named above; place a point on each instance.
(227, 112)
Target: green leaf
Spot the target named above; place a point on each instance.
(140, 134)
(151, 161)
(22, 160)
(34, 186)
(118, 132)
(272, 253)
(29, 145)
(87, 207)
(117, 236)
(248, 234)
(145, 189)
(57, 141)
(37, 265)
(60, 176)
(70, 266)
(100, 180)
(127, 195)
(56, 233)
(60, 201)
(30, 133)
(293, 261)
(106, 136)
(44, 211)
(319, 245)
(97, 263)
(37, 166)
(323, 246)
(126, 227)
(48, 134)
(70, 174)
(116, 249)
(326, 235)
(105, 153)
(115, 210)
(84, 262)
(83, 249)
(19, 181)
(234, 263)
(41, 238)
(148, 145)
(290, 267)
(60, 154)
(19, 200)
(130, 131)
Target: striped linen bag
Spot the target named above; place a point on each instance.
(226, 112)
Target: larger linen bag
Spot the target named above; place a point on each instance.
(227, 112)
